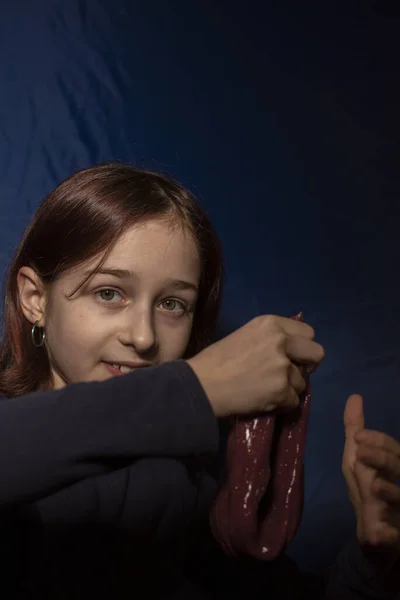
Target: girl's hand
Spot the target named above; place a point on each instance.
(371, 468)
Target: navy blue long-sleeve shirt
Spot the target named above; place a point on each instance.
(51, 439)
(103, 488)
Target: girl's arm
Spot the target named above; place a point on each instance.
(49, 440)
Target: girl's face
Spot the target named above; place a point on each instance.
(136, 311)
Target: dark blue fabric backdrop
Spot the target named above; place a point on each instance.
(284, 120)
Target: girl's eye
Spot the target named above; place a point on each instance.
(172, 305)
(108, 296)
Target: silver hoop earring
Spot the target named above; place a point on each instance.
(38, 343)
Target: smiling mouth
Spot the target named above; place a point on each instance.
(125, 368)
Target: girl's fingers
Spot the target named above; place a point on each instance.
(377, 458)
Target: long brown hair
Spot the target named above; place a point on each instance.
(82, 218)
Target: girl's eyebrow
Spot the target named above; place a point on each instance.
(120, 273)
(179, 284)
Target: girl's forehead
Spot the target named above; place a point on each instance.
(152, 248)
(155, 240)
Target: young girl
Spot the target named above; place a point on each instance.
(120, 273)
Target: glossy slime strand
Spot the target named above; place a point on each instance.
(259, 506)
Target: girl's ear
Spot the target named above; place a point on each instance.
(32, 295)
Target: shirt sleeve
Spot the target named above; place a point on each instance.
(358, 575)
(49, 440)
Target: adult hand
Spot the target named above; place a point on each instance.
(258, 367)
(371, 467)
